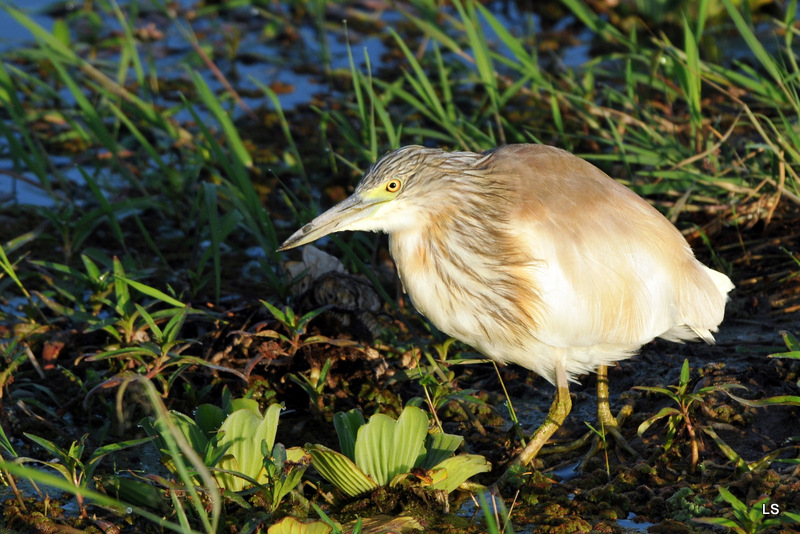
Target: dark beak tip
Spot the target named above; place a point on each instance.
(294, 238)
(286, 245)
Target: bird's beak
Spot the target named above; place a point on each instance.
(343, 216)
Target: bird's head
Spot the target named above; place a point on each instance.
(387, 198)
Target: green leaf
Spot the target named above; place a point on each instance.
(731, 499)
(212, 209)
(439, 446)
(290, 317)
(288, 476)
(44, 478)
(244, 404)
(665, 412)
(101, 452)
(340, 471)
(124, 353)
(690, 74)
(684, 372)
(234, 141)
(92, 271)
(157, 334)
(528, 61)
(5, 444)
(779, 400)
(305, 319)
(449, 474)
(174, 325)
(793, 354)
(385, 448)
(111, 212)
(278, 314)
(61, 469)
(269, 427)
(732, 455)
(49, 446)
(149, 291)
(290, 525)
(124, 302)
(790, 340)
(188, 427)
(209, 418)
(662, 391)
(61, 32)
(596, 23)
(295, 454)
(791, 343)
(766, 59)
(347, 425)
(136, 492)
(720, 521)
(241, 436)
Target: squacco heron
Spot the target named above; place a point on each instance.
(533, 256)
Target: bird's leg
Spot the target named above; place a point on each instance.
(561, 406)
(607, 423)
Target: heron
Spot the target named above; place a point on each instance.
(533, 256)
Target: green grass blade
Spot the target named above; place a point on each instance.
(48, 479)
(766, 59)
(599, 26)
(210, 205)
(147, 290)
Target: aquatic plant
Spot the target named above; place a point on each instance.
(238, 443)
(744, 519)
(71, 464)
(681, 419)
(384, 452)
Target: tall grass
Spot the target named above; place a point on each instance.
(100, 113)
(204, 504)
(609, 103)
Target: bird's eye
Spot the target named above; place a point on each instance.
(394, 186)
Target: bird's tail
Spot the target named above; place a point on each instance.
(722, 282)
(708, 308)
(702, 305)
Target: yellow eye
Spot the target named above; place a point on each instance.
(393, 186)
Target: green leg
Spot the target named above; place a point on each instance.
(606, 422)
(561, 406)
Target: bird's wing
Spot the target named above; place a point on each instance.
(611, 269)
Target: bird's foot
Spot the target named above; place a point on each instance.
(513, 477)
(562, 404)
(608, 429)
(608, 425)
